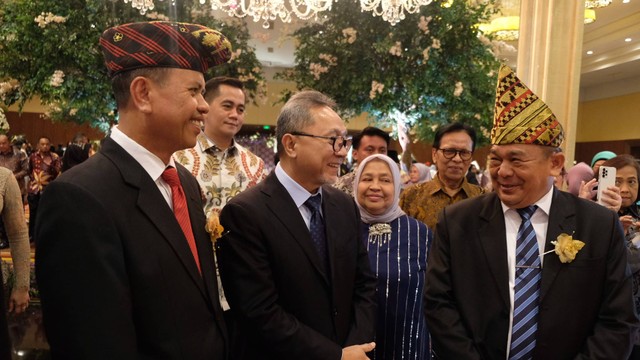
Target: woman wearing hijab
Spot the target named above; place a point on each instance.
(398, 246)
(419, 173)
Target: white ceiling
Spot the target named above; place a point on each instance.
(612, 70)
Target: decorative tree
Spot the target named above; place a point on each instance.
(49, 49)
(432, 68)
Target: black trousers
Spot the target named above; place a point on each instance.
(33, 200)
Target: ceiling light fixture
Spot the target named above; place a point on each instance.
(590, 52)
(627, 39)
(589, 16)
(392, 10)
(594, 4)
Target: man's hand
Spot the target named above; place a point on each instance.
(357, 352)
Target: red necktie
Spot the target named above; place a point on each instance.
(170, 175)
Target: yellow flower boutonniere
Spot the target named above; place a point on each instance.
(213, 227)
(567, 247)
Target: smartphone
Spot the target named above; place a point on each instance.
(606, 178)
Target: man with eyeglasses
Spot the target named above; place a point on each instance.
(369, 141)
(453, 147)
(294, 270)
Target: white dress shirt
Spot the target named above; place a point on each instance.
(297, 193)
(512, 221)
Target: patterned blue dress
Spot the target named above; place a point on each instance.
(399, 260)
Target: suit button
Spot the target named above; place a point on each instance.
(335, 312)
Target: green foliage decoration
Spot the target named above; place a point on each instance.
(432, 68)
(49, 50)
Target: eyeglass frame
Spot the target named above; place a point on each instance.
(460, 153)
(347, 141)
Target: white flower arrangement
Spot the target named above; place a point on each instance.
(4, 124)
(57, 78)
(45, 19)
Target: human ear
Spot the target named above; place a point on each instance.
(557, 162)
(140, 89)
(289, 145)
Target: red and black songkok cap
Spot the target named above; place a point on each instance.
(163, 44)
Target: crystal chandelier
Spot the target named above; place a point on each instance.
(594, 4)
(269, 10)
(392, 10)
(142, 5)
(265, 10)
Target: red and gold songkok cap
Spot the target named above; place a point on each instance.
(520, 117)
(163, 44)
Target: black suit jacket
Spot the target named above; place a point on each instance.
(116, 276)
(287, 307)
(586, 308)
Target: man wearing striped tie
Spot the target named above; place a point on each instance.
(528, 271)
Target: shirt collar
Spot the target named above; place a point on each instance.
(295, 190)
(439, 186)
(544, 203)
(206, 143)
(152, 164)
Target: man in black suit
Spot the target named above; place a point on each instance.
(120, 276)
(298, 279)
(495, 287)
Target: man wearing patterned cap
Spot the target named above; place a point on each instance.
(124, 264)
(528, 271)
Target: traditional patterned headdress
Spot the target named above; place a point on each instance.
(163, 44)
(520, 117)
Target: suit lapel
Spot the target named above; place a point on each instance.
(495, 246)
(561, 220)
(153, 205)
(283, 207)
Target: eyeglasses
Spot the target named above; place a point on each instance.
(451, 153)
(337, 142)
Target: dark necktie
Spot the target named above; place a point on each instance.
(180, 210)
(316, 226)
(527, 291)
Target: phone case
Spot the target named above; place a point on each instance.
(606, 178)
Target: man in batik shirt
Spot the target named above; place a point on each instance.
(223, 167)
(44, 167)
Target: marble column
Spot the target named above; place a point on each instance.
(550, 58)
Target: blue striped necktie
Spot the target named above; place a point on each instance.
(527, 292)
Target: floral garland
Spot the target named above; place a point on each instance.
(4, 124)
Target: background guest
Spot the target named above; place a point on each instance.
(453, 147)
(627, 176)
(397, 246)
(599, 159)
(419, 173)
(367, 142)
(578, 175)
(76, 152)
(44, 167)
(15, 225)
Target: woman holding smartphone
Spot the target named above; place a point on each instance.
(627, 174)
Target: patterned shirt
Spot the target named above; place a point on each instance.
(17, 162)
(41, 173)
(345, 182)
(425, 201)
(222, 174)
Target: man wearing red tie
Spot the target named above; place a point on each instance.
(124, 265)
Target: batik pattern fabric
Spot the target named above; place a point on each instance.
(398, 257)
(425, 201)
(345, 182)
(42, 174)
(222, 174)
(633, 258)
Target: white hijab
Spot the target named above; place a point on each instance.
(394, 211)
